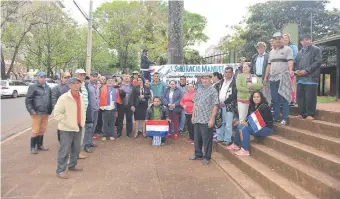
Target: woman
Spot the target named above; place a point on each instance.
(171, 98)
(99, 127)
(140, 97)
(244, 86)
(134, 78)
(257, 102)
(147, 84)
(216, 78)
(188, 104)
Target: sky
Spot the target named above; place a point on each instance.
(219, 14)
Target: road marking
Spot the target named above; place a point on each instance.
(14, 135)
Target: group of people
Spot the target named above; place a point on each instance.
(95, 107)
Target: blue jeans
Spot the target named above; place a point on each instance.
(88, 134)
(182, 121)
(226, 130)
(278, 100)
(246, 132)
(147, 75)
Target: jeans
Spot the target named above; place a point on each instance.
(88, 134)
(190, 126)
(174, 117)
(278, 100)
(69, 145)
(246, 132)
(147, 75)
(306, 99)
(203, 136)
(109, 121)
(182, 121)
(226, 130)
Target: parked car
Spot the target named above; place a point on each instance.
(13, 88)
(50, 82)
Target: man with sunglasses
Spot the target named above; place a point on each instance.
(39, 105)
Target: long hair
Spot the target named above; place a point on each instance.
(252, 106)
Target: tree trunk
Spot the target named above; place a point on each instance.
(3, 66)
(175, 26)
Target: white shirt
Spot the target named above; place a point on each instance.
(223, 92)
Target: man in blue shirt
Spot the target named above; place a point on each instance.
(259, 61)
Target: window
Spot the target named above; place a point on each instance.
(11, 83)
(3, 83)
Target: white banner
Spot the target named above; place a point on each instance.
(173, 72)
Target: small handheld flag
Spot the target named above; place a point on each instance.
(157, 128)
(256, 121)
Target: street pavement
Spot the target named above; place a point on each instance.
(121, 169)
(14, 116)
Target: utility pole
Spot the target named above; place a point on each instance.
(311, 25)
(89, 41)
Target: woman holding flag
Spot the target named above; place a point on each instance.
(259, 123)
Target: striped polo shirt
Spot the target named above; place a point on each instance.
(278, 60)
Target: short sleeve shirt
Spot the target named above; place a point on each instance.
(204, 101)
(278, 60)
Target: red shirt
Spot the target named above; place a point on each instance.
(77, 99)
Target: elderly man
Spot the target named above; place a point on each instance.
(39, 105)
(280, 68)
(308, 62)
(70, 113)
(259, 61)
(203, 117)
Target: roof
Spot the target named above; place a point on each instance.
(329, 41)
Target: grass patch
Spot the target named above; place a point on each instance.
(326, 99)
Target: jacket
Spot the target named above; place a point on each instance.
(135, 101)
(176, 98)
(126, 97)
(243, 92)
(265, 112)
(89, 110)
(187, 101)
(310, 61)
(57, 91)
(231, 101)
(158, 89)
(39, 99)
(264, 67)
(162, 109)
(145, 62)
(65, 111)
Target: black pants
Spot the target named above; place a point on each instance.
(124, 111)
(99, 127)
(189, 125)
(306, 99)
(203, 135)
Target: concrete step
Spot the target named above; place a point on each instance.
(320, 184)
(316, 126)
(253, 189)
(327, 116)
(323, 161)
(277, 185)
(322, 142)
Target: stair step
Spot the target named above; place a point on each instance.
(278, 186)
(316, 126)
(329, 116)
(323, 161)
(253, 189)
(321, 142)
(320, 184)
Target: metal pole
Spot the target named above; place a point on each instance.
(311, 25)
(89, 41)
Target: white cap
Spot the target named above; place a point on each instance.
(80, 71)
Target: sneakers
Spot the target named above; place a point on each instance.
(192, 142)
(189, 140)
(233, 147)
(96, 136)
(283, 123)
(104, 139)
(242, 152)
(75, 168)
(176, 137)
(62, 175)
(169, 136)
(112, 138)
(309, 118)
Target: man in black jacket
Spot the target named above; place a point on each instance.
(259, 61)
(227, 95)
(39, 105)
(145, 64)
(307, 69)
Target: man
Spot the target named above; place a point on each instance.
(124, 109)
(287, 42)
(60, 89)
(157, 86)
(70, 113)
(203, 118)
(145, 65)
(93, 97)
(157, 112)
(39, 105)
(308, 62)
(227, 95)
(81, 74)
(280, 68)
(259, 61)
(183, 87)
(198, 82)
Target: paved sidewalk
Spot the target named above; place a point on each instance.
(119, 169)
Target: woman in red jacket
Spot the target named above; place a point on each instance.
(188, 104)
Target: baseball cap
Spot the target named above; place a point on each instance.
(260, 44)
(135, 72)
(80, 71)
(41, 74)
(277, 34)
(95, 74)
(66, 74)
(71, 80)
(305, 36)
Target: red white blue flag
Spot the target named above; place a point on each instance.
(157, 127)
(256, 121)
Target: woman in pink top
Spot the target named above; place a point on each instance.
(188, 104)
